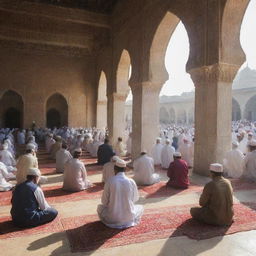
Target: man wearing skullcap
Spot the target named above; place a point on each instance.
(156, 151)
(105, 153)
(62, 157)
(216, 200)
(120, 193)
(108, 169)
(55, 147)
(233, 162)
(249, 164)
(29, 207)
(75, 175)
(178, 172)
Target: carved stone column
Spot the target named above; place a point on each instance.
(145, 116)
(213, 111)
(116, 116)
(101, 121)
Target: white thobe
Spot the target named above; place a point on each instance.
(186, 152)
(118, 209)
(75, 176)
(144, 171)
(108, 171)
(156, 153)
(21, 138)
(49, 144)
(23, 164)
(4, 176)
(62, 157)
(250, 165)
(40, 198)
(120, 149)
(233, 163)
(7, 158)
(167, 156)
(243, 145)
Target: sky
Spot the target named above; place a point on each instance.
(178, 52)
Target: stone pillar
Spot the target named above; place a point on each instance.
(101, 121)
(116, 116)
(213, 108)
(145, 116)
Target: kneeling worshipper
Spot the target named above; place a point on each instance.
(29, 207)
(4, 177)
(105, 153)
(249, 164)
(62, 157)
(156, 152)
(7, 158)
(216, 200)
(167, 155)
(25, 162)
(55, 147)
(120, 148)
(108, 169)
(233, 162)
(75, 175)
(144, 170)
(120, 193)
(178, 173)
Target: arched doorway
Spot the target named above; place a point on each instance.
(236, 110)
(101, 121)
(56, 111)
(250, 109)
(11, 110)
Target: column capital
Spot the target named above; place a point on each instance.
(102, 102)
(147, 85)
(118, 96)
(220, 72)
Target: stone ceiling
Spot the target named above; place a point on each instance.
(101, 6)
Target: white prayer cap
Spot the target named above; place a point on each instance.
(5, 146)
(120, 163)
(34, 172)
(235, 143)
(30, 146)
(167, 141)
(144, 151)
(250, 133)
(58, 138)
(252, 143)
(78, 150)
(177, 154)
(216, 168)
(158, 138)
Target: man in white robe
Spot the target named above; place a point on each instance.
(7, 158)
(75, 175)
(108, 169)
(62, 157)
(120, 193)
(186, 152)
(144, 170)
(156, 151)
(25, 162)
(119, 148)
(49, 142)
(21, 137)
(167, 155)
(233, 162)
(249, 164)
(4, 177)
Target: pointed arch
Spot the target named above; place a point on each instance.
(56, 111)
(101, 120)
(157, 69)
(236, 110)
(123, 74)
(11, 110)
(250, 109)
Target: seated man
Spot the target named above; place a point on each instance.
(55, 147)
(120, 148)
(29, 207)
(216, 200)
(8, 159)
(105, 153)
(178, 172)
(249, 164)
(62, 157)
(144, 170)
(108, 169)
(4, 177)
(120, 193)
(156, 151)
(75, 175)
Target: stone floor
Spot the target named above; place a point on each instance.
(238, 244)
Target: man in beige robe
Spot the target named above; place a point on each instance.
(56, 147)
(120, 148)
(216, 200)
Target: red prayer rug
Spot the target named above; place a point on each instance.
(87, 233)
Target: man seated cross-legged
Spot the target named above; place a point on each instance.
(216, 200)
(120, 193)
(29, 207)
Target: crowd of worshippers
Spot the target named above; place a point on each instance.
(118, 208)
